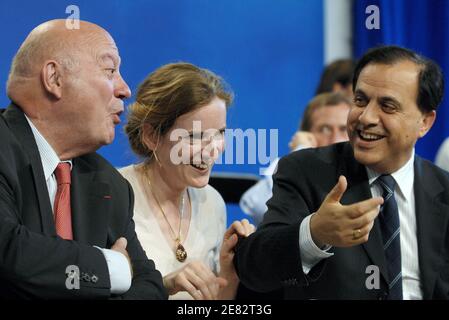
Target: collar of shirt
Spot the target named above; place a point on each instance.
(404, 177)
(49, 158)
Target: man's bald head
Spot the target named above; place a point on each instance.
(51, 40)
(68, 83)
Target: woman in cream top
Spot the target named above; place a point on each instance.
(177, 126)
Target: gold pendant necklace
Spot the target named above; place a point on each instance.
(180, 251)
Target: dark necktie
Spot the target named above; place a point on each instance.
(390, 227)
(63, 214)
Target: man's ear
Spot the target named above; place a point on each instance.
(150, 137)
(52, 78)
(427, 122)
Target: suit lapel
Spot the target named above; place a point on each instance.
(90, 199)
(432, 223)
(359, 190)
(21, 129)
(90, 202)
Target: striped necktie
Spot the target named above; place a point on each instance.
(390, 227)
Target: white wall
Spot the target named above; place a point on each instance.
(337, 30)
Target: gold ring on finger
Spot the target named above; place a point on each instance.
(356, 234)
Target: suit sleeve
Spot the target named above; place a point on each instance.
(147, 281)
(269, 259)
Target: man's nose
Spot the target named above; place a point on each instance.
(369, 115)
(122, 91)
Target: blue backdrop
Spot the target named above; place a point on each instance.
(421, 25)
(270, 52)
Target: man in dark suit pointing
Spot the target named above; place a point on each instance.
(64, 210)
(366, 219)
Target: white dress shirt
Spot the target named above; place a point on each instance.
(118, 266)
(405, 198)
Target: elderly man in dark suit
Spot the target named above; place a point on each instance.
(366, 219)
(66, 228)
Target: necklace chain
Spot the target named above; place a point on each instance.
(177, 238)
(180, 251)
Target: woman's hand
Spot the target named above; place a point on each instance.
(227, 271)
(197, 279)
(303, 138)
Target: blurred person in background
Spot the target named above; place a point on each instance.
(337, 77)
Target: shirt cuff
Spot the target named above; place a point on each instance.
(119, 271)
(310, 253)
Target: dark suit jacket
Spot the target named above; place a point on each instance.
(270, 258)
(33, 259)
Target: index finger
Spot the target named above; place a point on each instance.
(360, 208)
